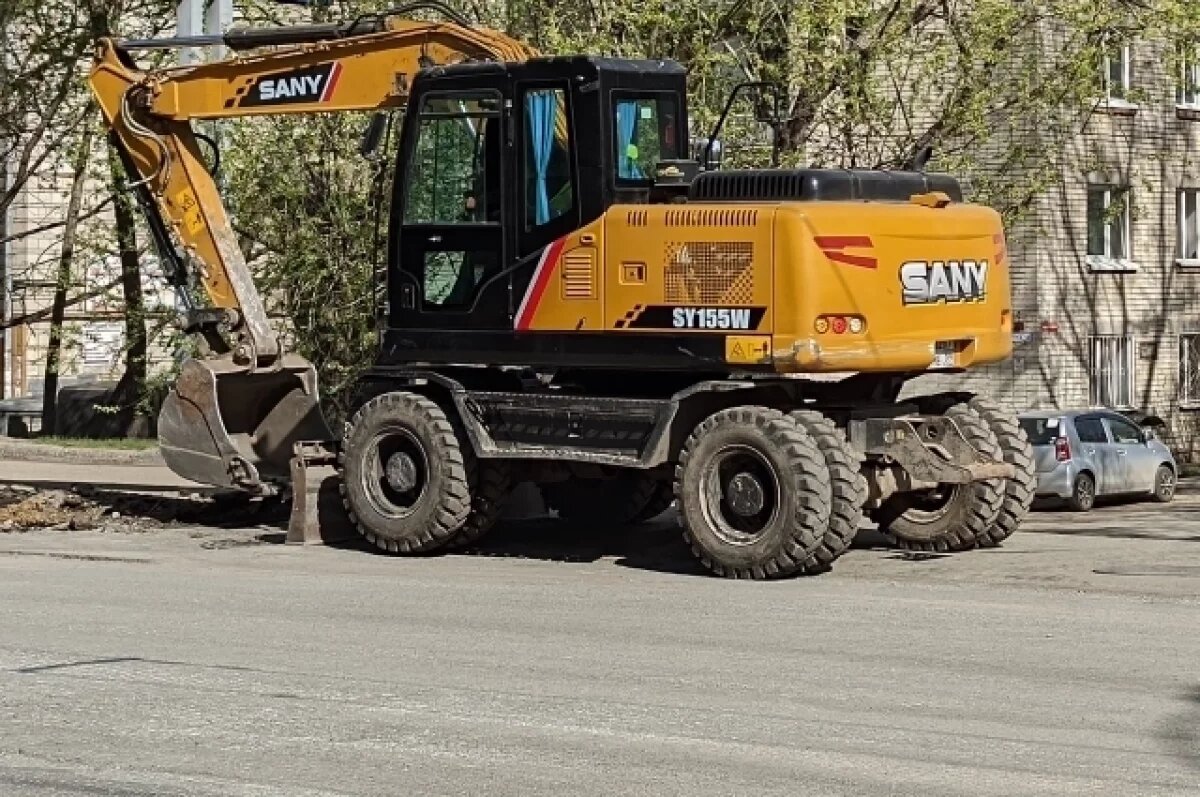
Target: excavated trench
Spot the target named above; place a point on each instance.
(26, 508)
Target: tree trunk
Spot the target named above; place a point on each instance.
(63, 281)
(131, 387)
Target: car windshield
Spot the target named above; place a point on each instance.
(1040, 431)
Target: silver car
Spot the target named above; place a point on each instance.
(1083, 454)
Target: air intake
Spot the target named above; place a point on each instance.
(814, 185)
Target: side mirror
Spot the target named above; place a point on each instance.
(373, 135)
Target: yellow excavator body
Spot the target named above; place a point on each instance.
(798, 288)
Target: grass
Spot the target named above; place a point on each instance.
(118, 443)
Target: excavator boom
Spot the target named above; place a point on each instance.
(234, 418)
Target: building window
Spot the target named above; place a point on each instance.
(1189, 226)
(1108, 228)
(1112, 359)
(1116, 75)
(1188, 94)
(1189, 370)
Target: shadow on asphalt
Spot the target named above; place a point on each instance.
(657, 545)
(1180, 733)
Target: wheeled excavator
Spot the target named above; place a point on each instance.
(574, 300)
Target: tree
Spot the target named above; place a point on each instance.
(48, 127)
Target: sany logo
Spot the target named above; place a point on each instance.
(927, 282)
(304, 86)
(311, 84)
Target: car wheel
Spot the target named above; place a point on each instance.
(1164, 484)
(1083, 493)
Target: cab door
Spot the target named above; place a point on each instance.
(555, 282)
(451, 248)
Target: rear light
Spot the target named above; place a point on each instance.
(841, 324)
(1062, 449)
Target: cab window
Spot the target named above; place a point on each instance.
(645, 131)
(548, 191)
(454, 175)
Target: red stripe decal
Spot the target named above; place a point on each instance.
(334, 74)
(841, 241)
(537, 285)
(851, 260)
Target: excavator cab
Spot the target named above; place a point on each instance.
(498, 161)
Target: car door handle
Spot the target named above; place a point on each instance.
(1092, 451)
(1120, 452)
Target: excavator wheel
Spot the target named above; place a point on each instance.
(849, 489)
(491, 483)
(951, 517)
(754, 492)
(404, 480)
(1019, 490)
(628, 498)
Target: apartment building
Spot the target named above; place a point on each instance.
(1106, 266)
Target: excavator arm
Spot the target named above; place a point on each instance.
(235, 418)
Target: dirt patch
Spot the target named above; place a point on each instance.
(25, 508)
(22, 509)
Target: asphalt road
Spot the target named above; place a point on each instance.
(210, 661)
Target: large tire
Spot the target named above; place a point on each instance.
(404, 481)
(605, 503)
(848, 493)
(753, 492)
(1019, 490)
(490, 482)
(962, 515)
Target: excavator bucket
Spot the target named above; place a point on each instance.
(227, 425)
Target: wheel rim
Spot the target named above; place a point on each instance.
(929, 506)
(396, 472)
(1085, 492)
(740, 496)
(1166, 483)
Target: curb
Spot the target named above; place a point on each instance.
(13, 449)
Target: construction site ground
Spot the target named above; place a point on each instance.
(159, 639)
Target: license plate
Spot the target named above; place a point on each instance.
(944, 356)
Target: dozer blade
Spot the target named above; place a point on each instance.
(225, 425)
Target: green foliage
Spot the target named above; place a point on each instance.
(301, 198)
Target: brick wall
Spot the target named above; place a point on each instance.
(1154, 149)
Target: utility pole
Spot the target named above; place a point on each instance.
(200, 17)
